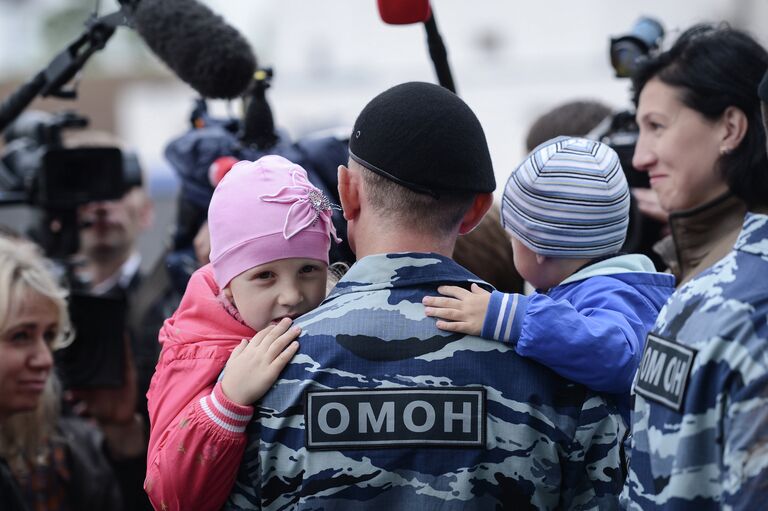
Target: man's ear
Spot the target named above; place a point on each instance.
(349, 192)
(476, 212)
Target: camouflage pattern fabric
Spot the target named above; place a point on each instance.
(713, 453)
(548, 443)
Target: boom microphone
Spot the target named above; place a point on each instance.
(258, 123)
(197, 44)
(405, 12)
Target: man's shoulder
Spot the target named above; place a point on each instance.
(729, 301)
(374, 377)
(382, 338)
(378, 343)
(374, 408)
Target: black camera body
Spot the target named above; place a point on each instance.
(37, 169)
(621, 132)
(37, 166)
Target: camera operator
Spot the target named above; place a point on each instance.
(108, 265)
(109, 231)
(647, 222)
(109, 262)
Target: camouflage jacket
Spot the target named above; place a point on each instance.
(700, 421)
(380, 409)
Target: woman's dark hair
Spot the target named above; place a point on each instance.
(716, 66)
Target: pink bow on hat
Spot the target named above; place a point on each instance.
(309, 204)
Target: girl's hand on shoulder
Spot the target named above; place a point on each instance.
(253, 367)
(458, 310)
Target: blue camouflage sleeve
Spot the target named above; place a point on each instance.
(246, 493)
(594, 468)
(745, 446)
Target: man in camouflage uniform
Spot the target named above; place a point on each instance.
(381, 410)
(700, 422)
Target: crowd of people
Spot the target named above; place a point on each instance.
(421, 374)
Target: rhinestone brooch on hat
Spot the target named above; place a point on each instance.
(308, 204)
(319, 202)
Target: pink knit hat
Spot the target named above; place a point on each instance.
(263, 211)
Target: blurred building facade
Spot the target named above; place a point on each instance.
(511, 61)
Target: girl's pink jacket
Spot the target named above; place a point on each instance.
(197, 435)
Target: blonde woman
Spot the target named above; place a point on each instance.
(46, 462)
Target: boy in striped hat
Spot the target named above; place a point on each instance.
(566, 210)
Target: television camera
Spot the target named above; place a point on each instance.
(620, 131)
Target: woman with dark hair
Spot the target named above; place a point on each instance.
(700, 421)
(702, 142)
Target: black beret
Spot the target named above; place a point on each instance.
(762, 89)
(425, 138)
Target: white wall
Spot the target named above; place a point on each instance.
(511, 60)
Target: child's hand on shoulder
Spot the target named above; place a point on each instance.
(458, 310)
(253, 367)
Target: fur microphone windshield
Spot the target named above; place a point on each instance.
(198, 45)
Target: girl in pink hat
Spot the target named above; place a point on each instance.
(270, 234)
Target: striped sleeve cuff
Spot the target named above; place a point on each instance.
(504, 317)
(225, 413)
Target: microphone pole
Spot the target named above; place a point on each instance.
(62, 68)
(258, 122)
(406, 12)
(438, 53)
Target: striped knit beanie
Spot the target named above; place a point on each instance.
(568, 199)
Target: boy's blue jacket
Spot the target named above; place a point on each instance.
(591, 328)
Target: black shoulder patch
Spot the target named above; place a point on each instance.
(395, 418)
(664, 370)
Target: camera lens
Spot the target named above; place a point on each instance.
(626, 50)
(624, 56)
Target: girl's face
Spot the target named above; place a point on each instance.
(25, 353)
(285, 288)
(678, 147)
